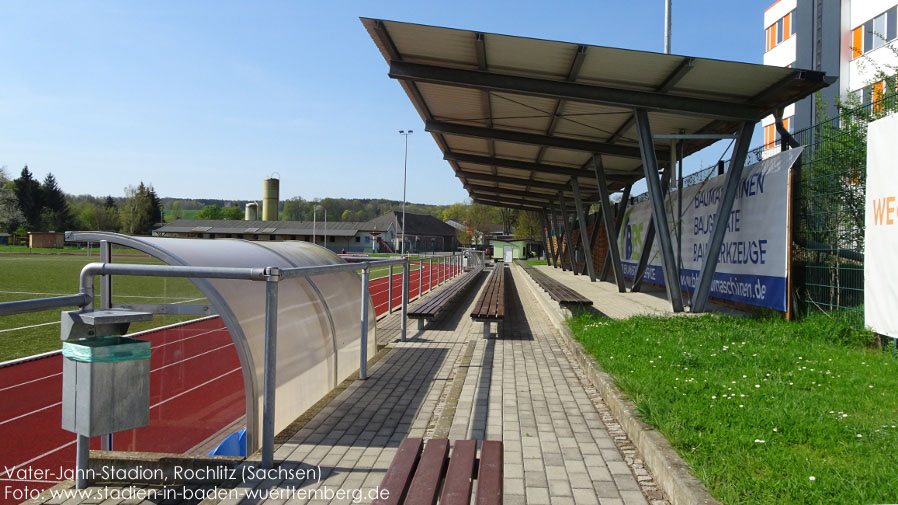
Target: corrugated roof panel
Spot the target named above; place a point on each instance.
(450, 103)
(520, 55)
(714, 78)
(512, 172)
(625, 68)
(472, 145)
(565, 157)
(525, 152)
(430, 44)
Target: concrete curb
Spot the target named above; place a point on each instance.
(668, 468)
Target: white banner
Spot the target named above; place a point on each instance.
(881, 228)
(753, 260)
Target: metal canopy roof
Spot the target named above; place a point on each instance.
(517, 117)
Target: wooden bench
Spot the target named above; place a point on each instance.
(556, 290)
(416, 476)
(434, 304)
(491, 305)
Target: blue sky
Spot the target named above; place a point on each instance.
(205, 99)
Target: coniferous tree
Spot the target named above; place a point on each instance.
(28, 193)
(56, 213)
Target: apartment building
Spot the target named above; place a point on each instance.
(853, 40)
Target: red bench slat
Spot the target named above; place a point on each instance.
(489, 476)
(398, 476)
(426, 483)
(457, 486)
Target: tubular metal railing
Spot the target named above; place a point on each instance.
(271, 276)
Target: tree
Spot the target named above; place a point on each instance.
(455, 212)
(141, 209)
(11, 216)
(176, 210)
(28, 194)
(232, 213)
(210, 212)
(294, 209)
(55, 213)
(508, 216)
(479, 216)
(528, 225)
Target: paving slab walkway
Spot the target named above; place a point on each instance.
(520, 388)
(447, 381)
(606, 299)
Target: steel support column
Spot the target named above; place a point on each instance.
(584, 241)
(559, 240)
(568, 232)
(269, 385)
(594, 234)
(730, 188)
(649, 239)
(656, 197)
(363, 354)
(609, 223)
(548, 237)
(404, 321)
(390, 291)
(620, 212)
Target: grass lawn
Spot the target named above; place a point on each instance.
(535, 261)
(764, 411)
(35, 276)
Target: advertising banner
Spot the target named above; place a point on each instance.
(881, 230)
(753, 260)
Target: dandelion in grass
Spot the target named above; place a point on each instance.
(812, 478)
(859, 435)
(757, 385)
(774, 430)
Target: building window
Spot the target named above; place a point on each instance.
(358, 239)
(331, 238)
(781, 30)
(875, 33)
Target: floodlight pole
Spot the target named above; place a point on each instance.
(667, 24)
(404, 176)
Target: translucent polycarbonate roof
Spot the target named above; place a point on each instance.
(319, 326)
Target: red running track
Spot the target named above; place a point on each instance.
(196, 389)
(379, 288)
(188, 403)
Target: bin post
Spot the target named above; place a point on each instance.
(405, 270)
(270, 384)
(105, 303)
(390, 291)
(82, 461)
(363, 360)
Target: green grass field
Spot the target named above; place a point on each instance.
(24, 277)
(765, 411)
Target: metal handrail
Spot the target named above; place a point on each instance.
(270, 275)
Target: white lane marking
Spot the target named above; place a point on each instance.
(29, 413)
(194, 388)
(26, 327)
(51, 451)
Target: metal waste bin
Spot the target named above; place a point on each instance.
(105, 385)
